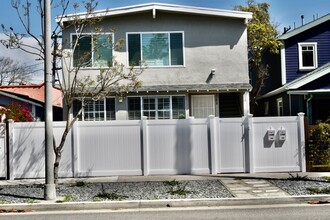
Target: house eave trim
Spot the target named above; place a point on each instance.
(20, 99)
(154, 7)
(300, 81)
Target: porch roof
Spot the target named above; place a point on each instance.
(301, 81)
(197, 88)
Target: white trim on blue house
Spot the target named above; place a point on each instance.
(153, 7)
(283, 65)
(295, 84)
(305, 27)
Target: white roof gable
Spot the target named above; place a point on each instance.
(154, 7)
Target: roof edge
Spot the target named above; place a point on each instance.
(305, 27)
(157, 6)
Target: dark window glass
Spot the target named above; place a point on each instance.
(82, 56)
(176, 49)
(134, 49)
(134, 108)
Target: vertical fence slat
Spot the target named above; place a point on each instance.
(214, 143)
(302, 143)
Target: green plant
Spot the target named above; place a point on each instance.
(171, 183)
(105, 195)
(319, 190)
(177, 188)
(80, 184)
(97, 199)
(327, 178)
(2, 202)
(111, 196)
(32, 201)
(319, 147)
(297, 177)
(17, 112)
(67, 198)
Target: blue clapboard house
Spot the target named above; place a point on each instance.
(299, 77)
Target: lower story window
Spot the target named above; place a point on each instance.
(100, 110)
(156, 107)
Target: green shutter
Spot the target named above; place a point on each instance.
(176, 49)
(82, 55)
(134, 49)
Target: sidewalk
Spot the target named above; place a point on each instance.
(247, 189)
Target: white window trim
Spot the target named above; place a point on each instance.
(314, 45)
(91, 34)
(213, 103)
(104, 105)
(278, 101)
(169, 45)
(156, 103)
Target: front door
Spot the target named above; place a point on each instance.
(202, 106)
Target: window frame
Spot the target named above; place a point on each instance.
(82, 116)
(169, 48)
(156, 110)
(92, 57)
(300, 54)
(279, 106)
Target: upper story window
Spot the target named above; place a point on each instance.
(307, 56)
(158, 49)
(92, 50)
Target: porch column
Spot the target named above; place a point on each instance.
(246, 103)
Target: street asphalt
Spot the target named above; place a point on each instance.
(247, 189)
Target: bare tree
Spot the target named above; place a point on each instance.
(13, 73)
(113, 78)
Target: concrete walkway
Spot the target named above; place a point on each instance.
(252, 188)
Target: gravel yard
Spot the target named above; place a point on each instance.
(190, 189)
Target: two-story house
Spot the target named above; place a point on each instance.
(197, 62)
(300, 80)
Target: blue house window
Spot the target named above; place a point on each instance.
(92, 50)
(159, 49)
(307, 56)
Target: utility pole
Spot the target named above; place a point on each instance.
(50, 188)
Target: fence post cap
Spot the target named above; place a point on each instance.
(301, 114)
(10, 120)
(144, 117)
(211, 116)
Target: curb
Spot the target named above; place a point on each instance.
(143, 204)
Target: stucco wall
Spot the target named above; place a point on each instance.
(210, 43)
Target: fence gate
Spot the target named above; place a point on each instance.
(2, 150)
(232, 145)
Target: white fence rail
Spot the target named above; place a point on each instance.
(188, 146)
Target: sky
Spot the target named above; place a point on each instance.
(283, 12)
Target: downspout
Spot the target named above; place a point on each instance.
(309, 109)
(290, 110)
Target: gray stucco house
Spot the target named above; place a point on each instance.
(197, 61)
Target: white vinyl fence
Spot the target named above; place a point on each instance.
(151, 147)
(2, 150)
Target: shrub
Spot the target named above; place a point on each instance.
(17, 112)
(320, 146)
